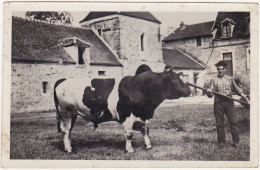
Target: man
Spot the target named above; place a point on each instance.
(224, 84)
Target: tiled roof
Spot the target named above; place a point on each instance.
(40, 42)
(190, 31)
(141, 15)
(240, 20)
(179, 60)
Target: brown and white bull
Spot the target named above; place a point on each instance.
(131, 102)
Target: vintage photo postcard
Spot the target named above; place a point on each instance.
(130, 85)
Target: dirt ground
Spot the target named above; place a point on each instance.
(178, 132)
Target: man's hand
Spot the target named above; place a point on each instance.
(246, 99)
(209, 93)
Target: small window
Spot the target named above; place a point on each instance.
(100, 32)
(185, 78)
(44, 86)
(142, 42)
(198, 40)
(159, 34)
(80, 55)
(248, 59)
(226, 31)
(101, 73)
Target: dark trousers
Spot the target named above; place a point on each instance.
(221, 108)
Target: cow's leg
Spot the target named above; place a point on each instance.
(145, 132)
(128, 132)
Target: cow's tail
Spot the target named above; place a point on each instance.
(58, 115)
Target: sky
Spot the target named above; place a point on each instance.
(168, 19)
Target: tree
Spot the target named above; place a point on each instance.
(51, 17)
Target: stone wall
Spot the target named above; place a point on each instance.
(110, 31)
(123, 34)
(27, 83)
(189, 46)
(131, 30)
(209, 55)
(239, 50)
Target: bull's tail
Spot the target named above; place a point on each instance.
(58, 116)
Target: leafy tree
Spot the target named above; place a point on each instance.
(51, 17)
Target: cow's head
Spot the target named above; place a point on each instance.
(174, 86)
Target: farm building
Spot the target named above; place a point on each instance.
(43, 53)
(134, 36)
(226, 38)
(232, 43)
(189, 69)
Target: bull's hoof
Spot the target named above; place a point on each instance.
(68, 150)
(129, 151)
(148, 147)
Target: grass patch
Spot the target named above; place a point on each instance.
(185, 132)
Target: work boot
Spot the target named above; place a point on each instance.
(235, 145)
(221, 145)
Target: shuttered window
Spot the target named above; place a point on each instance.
(44, 86)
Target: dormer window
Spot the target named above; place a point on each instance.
(247, 25)
(77, 49)
(226, 31)
(227, 27)
(100, 32)
(198, 41)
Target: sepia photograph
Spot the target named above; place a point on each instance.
(173, 84)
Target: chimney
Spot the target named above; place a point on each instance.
(182, 25)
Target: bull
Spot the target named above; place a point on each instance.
(131, 102)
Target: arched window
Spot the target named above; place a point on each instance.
(142, 42)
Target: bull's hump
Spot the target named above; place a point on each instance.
(95, 96)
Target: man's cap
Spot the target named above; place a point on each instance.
(221, 63)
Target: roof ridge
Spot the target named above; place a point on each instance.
(201, 23)
(37, 21)
(108, 46)
(191, 58)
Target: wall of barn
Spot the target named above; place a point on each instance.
(27, 83)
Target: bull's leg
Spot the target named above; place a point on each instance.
(128, 132)
(145, 132)
(66, 127)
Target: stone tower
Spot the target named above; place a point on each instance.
(134, 36)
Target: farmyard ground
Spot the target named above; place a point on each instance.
(177, 132)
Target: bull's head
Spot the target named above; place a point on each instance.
(174, 86)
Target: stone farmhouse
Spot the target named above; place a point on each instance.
(43, 53)
(109, 45)
(227, 38)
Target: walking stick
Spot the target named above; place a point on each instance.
(220, 94)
